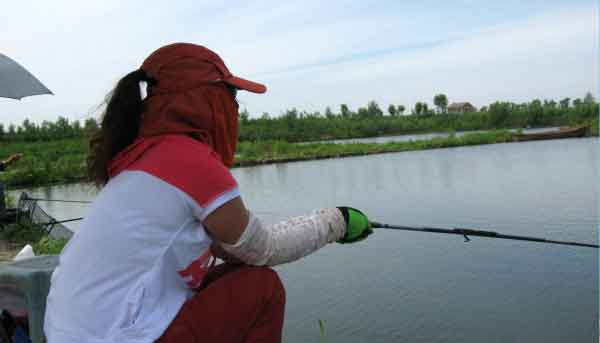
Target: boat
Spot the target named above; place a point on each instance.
(29, 211)
(553, 134)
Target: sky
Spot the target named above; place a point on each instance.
(311, 53)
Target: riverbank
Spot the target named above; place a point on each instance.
(251, 154)
(55, 162)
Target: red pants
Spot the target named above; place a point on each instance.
(236, 304)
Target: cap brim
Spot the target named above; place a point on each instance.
(247, 85)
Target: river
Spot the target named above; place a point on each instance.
(420, 287)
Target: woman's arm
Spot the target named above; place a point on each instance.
(244, 236)
(227, 223)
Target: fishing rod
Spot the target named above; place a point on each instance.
(479, 233)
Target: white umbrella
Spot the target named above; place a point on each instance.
(16, 82)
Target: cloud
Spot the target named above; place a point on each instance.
(547, 56)
(311, 54)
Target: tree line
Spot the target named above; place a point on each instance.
(368, 121)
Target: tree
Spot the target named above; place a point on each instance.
(577, 102)
(373, 109)
(499, 112)
(564, 103)
(328, 113)
(550, 103)
(535, 113)
(76, 126)
(589, 99)
(400, 109)
(291, 114)
(63, 128)
(244, 115)
(363, 112)
(90, 125)
(425, 108)
(441, 102)
(392, 110)
(344, 111)
(418, 107)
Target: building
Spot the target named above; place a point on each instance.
(461, 107)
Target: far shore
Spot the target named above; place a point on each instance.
(47, 164)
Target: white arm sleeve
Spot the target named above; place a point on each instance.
(289, 240)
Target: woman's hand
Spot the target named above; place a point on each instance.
(358, 226)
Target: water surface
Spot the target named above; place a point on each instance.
(418, 287)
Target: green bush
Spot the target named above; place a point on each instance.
(49, 246)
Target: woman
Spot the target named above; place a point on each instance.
(135, 271)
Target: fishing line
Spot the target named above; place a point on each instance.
(479, 233)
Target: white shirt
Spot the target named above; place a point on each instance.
(141, 249)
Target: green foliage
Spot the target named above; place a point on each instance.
(277, 151)
(62, 128)
(535, 113)
(344, 111)
(369, 121)
(392, 110)
(373, 109)
(441, 102)
(56, 152)
(589, 99)
(322, 331)
(418, 107)
(499, 113)
(297, 126)
(49, 246)
(23, 233)
(45, 163)
(594, 127)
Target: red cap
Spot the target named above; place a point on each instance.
(181, 66)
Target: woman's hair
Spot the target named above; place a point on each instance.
(119, 126)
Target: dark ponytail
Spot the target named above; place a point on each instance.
(119, 126)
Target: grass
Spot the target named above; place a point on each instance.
(21, 234)
(45, 162)
(276, 151)
(63, 161)
(49, 246)
(322, 331)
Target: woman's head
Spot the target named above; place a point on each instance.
(190, 91)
